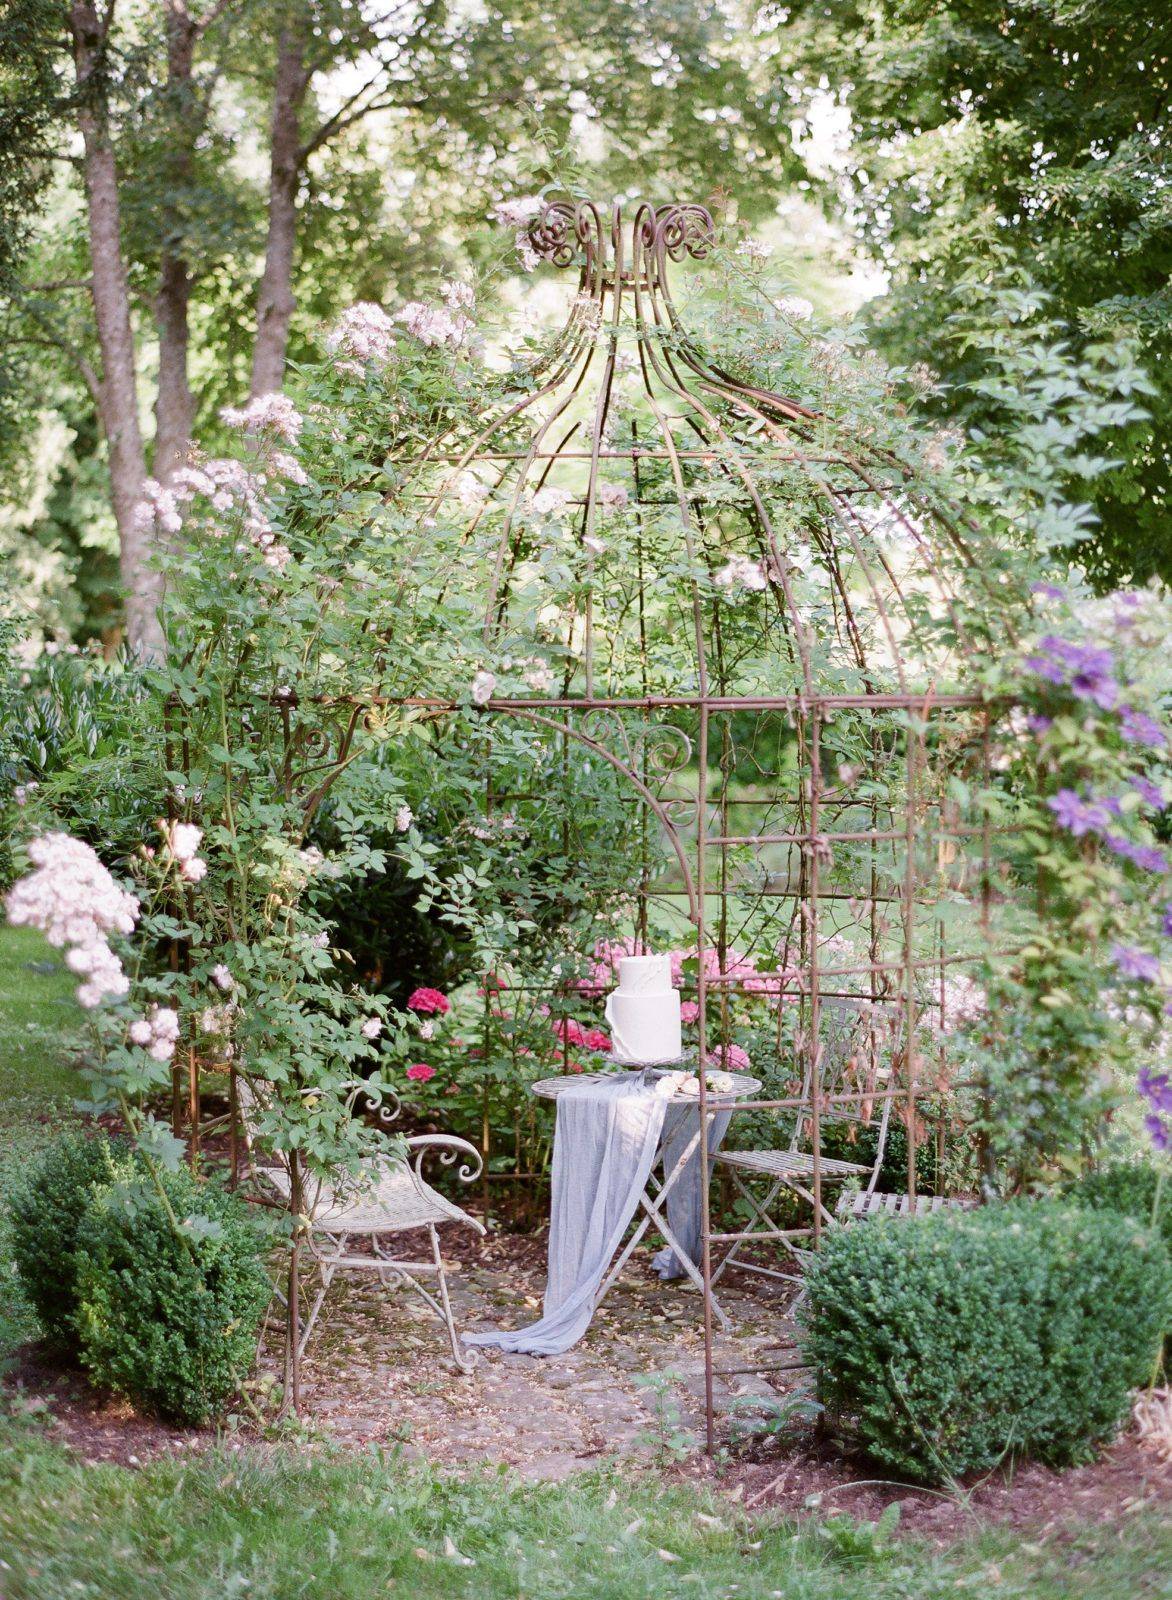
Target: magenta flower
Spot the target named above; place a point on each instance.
(428, 1002)
(420, 1072)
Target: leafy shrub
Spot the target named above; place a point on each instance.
(949, 1342)
(46, 1213)
(1129, 1189)
(170, 1320)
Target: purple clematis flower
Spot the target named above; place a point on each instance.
(1138, 728)
(1156, 1088)
(1150, 793)
(1073, 812)
(1157, 1132)
(1133, 962)
(1148, 857)
(1087, 670)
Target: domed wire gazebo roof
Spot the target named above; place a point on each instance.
(625, 469)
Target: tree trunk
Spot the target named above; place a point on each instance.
(275, 303)
(118, 388)
(174, 402)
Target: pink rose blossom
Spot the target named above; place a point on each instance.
(729, 1056)
(420, 1072)
(689, 1012)
(428, 1002)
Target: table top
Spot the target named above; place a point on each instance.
(742, 1085)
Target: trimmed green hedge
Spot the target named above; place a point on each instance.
(170, 1321)
(168, 1318)
(45, 1213)
(1130, 1190)
(948, 1343)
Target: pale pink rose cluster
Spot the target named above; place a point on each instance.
(483, 685)
(72, 899)
(181, 840)
(518, 213)
(449, 324)
(157, 1033)
(272, 414)
(550, 502)
(742, 573)
(363, 334)
(229, 487)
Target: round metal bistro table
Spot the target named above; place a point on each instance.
(654, 1197)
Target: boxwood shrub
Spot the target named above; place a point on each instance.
(170, 1321)
(46, 1211)
(1128, 1188)
(949, 1343)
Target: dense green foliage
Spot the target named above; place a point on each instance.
(169, 1314)
(1133, 1189)
(47, 1211)
(995, 142)
(954, 1342)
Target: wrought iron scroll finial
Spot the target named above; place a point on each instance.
(571, 233)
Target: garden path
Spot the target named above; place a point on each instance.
(377, 1373)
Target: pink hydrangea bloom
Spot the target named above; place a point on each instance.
(420, 1072)
(428, 1002)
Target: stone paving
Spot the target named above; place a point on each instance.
(379, 1370)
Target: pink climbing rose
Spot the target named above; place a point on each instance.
(428, 1002)
(420, 1072)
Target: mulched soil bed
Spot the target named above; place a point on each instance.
(813, 1478)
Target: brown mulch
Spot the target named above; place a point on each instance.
(813, 1478)
(96, 1427)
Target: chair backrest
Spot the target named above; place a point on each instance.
(852, 1057)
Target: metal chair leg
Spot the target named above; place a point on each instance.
(463, 1360)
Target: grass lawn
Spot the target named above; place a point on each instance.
(275, 1521)
(38, 1023)
(287, 1521)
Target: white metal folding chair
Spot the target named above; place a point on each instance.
(389, 1198)
(848, 1062)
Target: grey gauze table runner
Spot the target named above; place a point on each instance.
(607, 1137)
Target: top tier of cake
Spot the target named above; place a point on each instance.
(644, 975)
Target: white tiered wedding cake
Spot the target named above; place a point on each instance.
(644, 1012)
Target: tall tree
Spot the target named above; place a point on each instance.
(1008, 139)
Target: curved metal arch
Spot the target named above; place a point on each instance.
(625, 771)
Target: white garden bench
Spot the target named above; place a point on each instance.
(389, 1197)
